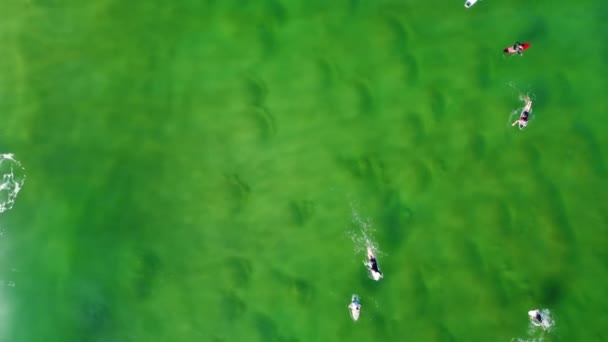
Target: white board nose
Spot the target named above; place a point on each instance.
(469, 3)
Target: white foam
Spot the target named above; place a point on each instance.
(13, 178)
(362, 234)
(518, 339)
(536, 332)
(547, 321)
(362, 237)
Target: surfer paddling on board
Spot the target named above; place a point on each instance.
(354, 307)
(372, 265)
(539, 319)
(517, 48)
(525, 113)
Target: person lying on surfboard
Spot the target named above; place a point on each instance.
(517, 48)
(372, 265)
(354, 307)
(525, 113)
(539, 319)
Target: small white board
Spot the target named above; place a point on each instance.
(355, 308)
(469, 3)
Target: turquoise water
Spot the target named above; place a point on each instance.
(205, 170)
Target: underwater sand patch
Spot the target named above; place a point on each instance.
(396, 218)
(411, 69)
(277, 11)
(302, 211)
(413, 131)
(417, 177)
(238, 190)
(239, 271)
(492, 215)
(234, 307)
(300, 289)
(147, 275)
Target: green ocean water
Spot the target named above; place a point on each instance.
(205, 170)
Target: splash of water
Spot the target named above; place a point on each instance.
(547, 321)
(514, 114)
(540, 331)
(539, 339)
(7, 283)
(362, 234)
(13, 178)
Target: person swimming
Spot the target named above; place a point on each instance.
(535, 317)
(525, 114)
(538, 319)
(372, 265)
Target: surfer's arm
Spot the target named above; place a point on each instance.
(515, 123)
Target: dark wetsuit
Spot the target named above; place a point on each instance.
(374, 265)
(523, 119)
(518, 47)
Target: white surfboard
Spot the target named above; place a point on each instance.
(354, 308)
(469, 3)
